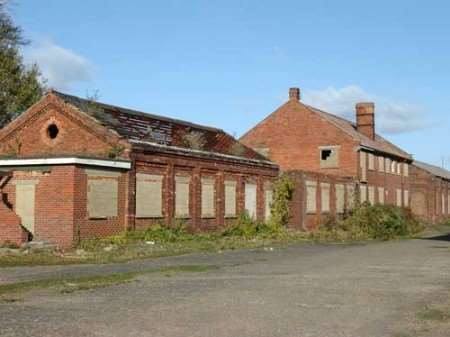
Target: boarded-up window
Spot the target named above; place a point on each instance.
(102, 193)
(25, 201)
(371, 190)
(437, 203)
(329, 156)
(363, 165)
(208, 198)
(148, 195)
(230, 198)
(268, 198)
(448, 203)
(350, 196)
(381, 195)
(393, 167)
(325, 197)
(443, 203)
(311, 197)
(399, 198)
(399, 168)
(388, 165)
(371, 162)
(406, 169)
(250, 199)
(406, 198)
(340, 201)
(182, 189)
(363, 193)
(381, 164)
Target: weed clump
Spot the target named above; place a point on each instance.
(380, 222)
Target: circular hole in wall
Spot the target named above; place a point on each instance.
(52, 131)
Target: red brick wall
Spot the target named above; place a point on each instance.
(11, 232)
(389, 181)
(86, 227)
(54, 202)
(299, 218)
(293, 134)
(169, 166)
(78, 135)
(426, 196)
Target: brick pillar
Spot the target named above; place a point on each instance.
(220, 199)
(196, 198)
(130, 216)
(169, 194)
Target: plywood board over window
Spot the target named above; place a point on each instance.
(388, 165)
(371, 161)
(363, 165)
(311, 197)
(399, 197)
(340, 201)
(406, 169)
(381, 161)
(268, 199)
(381, 195)
(406, 198)
(148, 195)
(325, 197)
(182, 193)
(393, 167)
(371, 190)
(230, 198)
(102, 193)
(25, 201)
(363, 193)
(250, 199)
(448, 203)
(208, 197)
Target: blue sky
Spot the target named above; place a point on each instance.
(230, 63)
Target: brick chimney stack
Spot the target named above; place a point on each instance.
(365, 119)
(294, 94)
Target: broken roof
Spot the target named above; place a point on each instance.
(434, 170)
(153, 130)
(377, 144)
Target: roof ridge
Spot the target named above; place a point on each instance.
(353, 125)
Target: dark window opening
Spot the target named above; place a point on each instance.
(52, 131)
(326, 154)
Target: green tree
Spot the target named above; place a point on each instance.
(19, 84)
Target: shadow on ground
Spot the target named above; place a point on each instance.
(443, 237)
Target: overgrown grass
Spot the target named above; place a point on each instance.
(380, 222)
(160, 240)
(364, 223)
(72, 284)
(434, 314)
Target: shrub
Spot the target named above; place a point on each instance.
(160, 233)
(381, 222)
(194, 140)
(279, 210)
(248, 228)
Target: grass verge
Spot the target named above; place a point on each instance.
(72, 284)
(434, 314)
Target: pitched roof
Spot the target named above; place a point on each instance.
(150, 130)
(434, 170)
(377, 144)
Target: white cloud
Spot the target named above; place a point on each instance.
(59, 66)
(390, 116)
